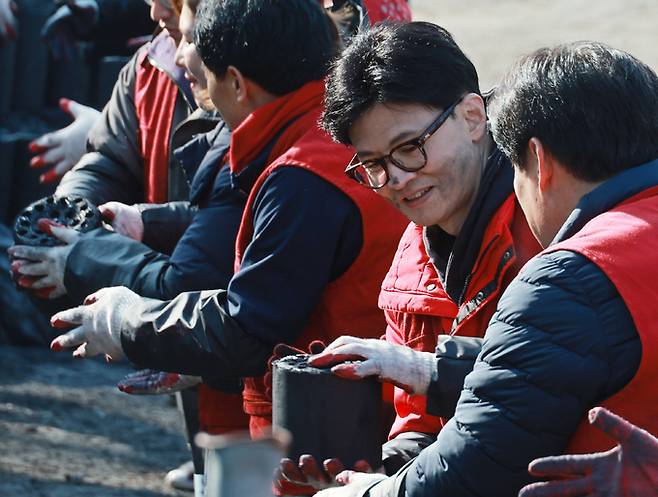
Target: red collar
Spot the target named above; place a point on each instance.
(259, 127)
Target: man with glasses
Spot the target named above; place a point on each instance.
(408, 99)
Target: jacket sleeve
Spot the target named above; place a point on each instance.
(561, 341)
(297, 215)
(164, 224)
(455, 357)
(112, 168)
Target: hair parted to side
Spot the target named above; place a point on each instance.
(594, 108)
(280, 45)
(395, 63)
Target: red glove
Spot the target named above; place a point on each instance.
(628, 470)
(151, 382)
(307, 478)
(282, 350)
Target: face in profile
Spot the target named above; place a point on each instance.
(188, 58)
(442, 191)
(164, 13)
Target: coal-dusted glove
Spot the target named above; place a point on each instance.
(282, 350)
(41, 269)
(353, 483)
(151, 382)
(63, 148)
(307, 477)
(124, 219)
(74, 20)
(355, 358)
(100, 321)
(628, 470)
(8, 23)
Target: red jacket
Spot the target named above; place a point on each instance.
(622, 242)
(418, 309)
(349, 304)
(381, 10)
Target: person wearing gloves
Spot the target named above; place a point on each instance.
(629, 469)
(467, 238)
(299, 207)
(576, 327)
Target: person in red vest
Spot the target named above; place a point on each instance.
(312, 246)
(577, 326)
(465, 243)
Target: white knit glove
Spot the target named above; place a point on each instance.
(63, 148)
(355, 358)
(124, 219)
(102, 318)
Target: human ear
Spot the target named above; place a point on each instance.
(238, 84)
(473, 110)
(544, 163)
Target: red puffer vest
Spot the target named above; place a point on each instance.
(418, 309)
(155, 101)
(349, 303)
(623, 243)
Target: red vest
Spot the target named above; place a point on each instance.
(623, 243)
(349, 303)
(418, 309)
(155, 101)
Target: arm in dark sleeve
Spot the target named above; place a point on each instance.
(561, 341)
(298, 217)
(112, 168)
(404, 447)
(201, 260)
(164, 224)
(455, 357)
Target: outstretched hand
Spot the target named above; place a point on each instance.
(63, 148)
(628, 470)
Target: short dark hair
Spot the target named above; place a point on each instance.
(395, 63)
(279, 44)
(593, 107)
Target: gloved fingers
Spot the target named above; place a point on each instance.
(356, 370)
(334, 354)
(75, 337)
(52, 155)
(580, 487)
(73, 108)
(565, 466)
(284, 486)
(363, 466)
(27, 268)
(290, 471)
(615, 426)
(29, 253)
(108, 211)
(42, 282)
(311, 470)
(60, 169)
(59, 231)
(69, 317)
(333, 466)
(27, 281)
(91, 349)
(43, 144)
(316, 346)
(349, 476)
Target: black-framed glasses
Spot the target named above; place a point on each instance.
(409, 156)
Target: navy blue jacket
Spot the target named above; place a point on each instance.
(561, 342)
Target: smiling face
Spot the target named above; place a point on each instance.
(188, 58)
(442, 192)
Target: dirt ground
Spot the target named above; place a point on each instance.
(66, 431)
